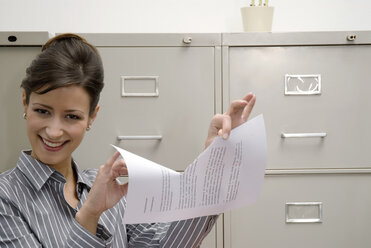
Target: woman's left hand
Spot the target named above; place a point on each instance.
(237, 114)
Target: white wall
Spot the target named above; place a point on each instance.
(154, 16)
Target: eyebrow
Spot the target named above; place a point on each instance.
(67, 111)
(42, 105)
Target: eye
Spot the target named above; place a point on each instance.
(42, 111)
(73, 117)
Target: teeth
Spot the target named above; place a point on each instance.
(52, 144)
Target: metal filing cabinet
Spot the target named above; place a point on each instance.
(160, 93)
(17, 50)
(158, 99)
(313, 91)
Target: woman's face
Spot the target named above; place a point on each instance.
(56, 123)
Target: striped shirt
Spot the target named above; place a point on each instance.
(34, 213)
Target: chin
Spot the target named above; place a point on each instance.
(51, 160)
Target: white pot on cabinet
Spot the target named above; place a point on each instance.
(257, 18)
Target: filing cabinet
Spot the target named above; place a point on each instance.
(158, 99)
(17, 50)
(312, 89)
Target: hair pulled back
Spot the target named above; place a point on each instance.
(66, 60)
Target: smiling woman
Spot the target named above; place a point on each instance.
(56, 123)
(47, 201)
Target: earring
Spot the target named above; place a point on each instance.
(24, 116)
(88, 128)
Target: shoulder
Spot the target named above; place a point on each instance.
(13, 189)
(9, 181)
(6, 178)
(12, 183)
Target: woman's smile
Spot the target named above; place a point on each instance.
(52, 146)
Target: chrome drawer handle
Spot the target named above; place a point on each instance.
(138, 137)
(303, 135)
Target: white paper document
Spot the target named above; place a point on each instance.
(227, 175)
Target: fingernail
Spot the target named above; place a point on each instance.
(225, 136)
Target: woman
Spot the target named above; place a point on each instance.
(46, 201)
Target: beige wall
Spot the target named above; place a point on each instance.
(177, 16)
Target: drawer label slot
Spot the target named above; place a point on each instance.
(140, 86)
(304, 212)
(303, 84)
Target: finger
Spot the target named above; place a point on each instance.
(112, 159)
(119, 168)
(216, 122)
(227, 123)
(108, 165)
(215, 127)
(224, 129)
(236, 106)
(220, 132)
(122, 172)
(248, 108)
(248, 97)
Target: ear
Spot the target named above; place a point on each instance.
(92, 118)
(24, 101)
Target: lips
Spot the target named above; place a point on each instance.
(52, 146)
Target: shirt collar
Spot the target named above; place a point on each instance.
(36, 172)
(81, 177)
(39, 173)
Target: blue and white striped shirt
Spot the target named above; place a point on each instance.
(34, 213)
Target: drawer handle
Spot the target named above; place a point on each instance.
(139, 137)
(303, 135)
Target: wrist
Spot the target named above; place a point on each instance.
(88, 219)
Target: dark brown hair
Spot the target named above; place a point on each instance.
(67, 59)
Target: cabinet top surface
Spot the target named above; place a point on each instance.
(153, 39)
(38, 38)
(297, 38)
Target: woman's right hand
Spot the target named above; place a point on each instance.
(105, 193)
(237, 114)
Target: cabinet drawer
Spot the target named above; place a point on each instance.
(178, 116)
(346, 205)
(342, 110)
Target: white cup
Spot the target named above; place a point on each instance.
(257, 18)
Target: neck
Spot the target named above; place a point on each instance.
(64, 167)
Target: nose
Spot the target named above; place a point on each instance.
(54, 129)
